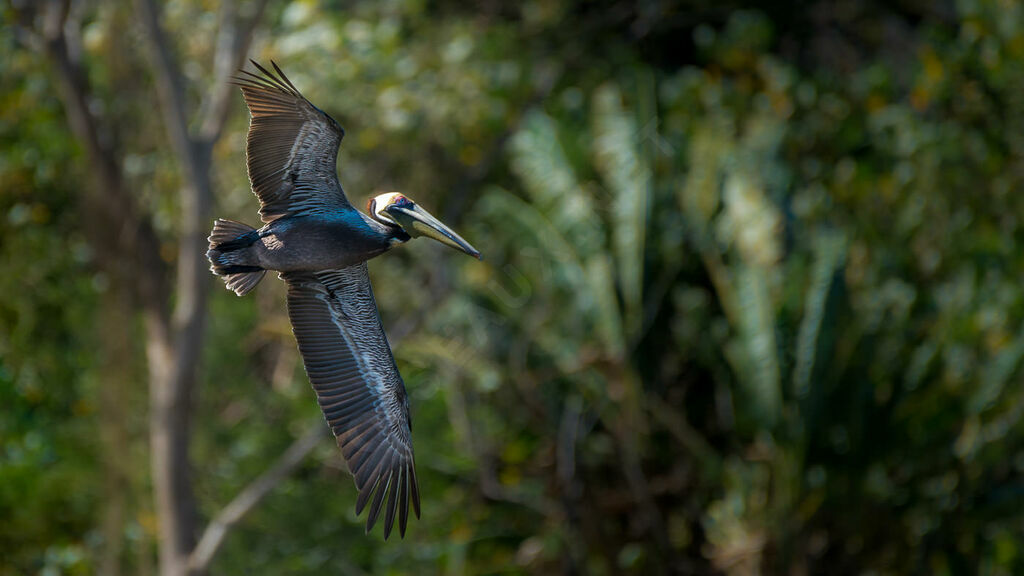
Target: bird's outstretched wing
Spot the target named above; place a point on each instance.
(292, 148)
(349, 363)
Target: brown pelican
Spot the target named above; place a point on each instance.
(320, 244)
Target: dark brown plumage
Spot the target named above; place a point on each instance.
(291, 150)
(320, 244)
(348, 360)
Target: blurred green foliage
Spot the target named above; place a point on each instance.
(751, 298)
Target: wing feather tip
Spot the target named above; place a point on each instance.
(392, 503)
(375, 506)
(403, 505)
(414, 489)
(364, 496)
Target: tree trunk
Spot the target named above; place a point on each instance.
(115, 376)
(168, 452)
(128, 249)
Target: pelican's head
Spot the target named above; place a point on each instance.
(395, 209)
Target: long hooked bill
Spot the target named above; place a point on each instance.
(418, 222)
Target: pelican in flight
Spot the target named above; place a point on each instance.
(319, 243)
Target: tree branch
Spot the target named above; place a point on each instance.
(172, 392)
(689, 438)
(121, 233)
(173, 370)
(128, 248)
(169, 88)
(233, 39)
(249, 497)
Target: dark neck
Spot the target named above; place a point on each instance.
(387, 231)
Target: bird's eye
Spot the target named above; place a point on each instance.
(401, 201)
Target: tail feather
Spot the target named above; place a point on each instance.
(242, 282)
(230, 256)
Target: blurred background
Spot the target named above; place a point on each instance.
(750, 301)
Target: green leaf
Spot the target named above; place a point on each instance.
(831, 252)
(626, 172)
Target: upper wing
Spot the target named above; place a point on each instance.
(292, 148)
(349, 363)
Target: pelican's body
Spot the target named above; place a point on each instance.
(322, 241)
(320, 244)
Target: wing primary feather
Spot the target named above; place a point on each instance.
(378, 499)
(403, 504)
(283, 77)
(355, 432)
(364, 496)
(255, 81)
(261, 68)
(414, 487)
(255, 78)
(363, 460)
(374, 471)
(281, 85)
(389, 508)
